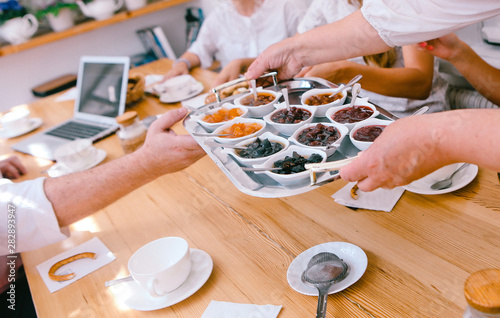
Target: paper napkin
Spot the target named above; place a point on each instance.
(221, 309)
(380, 199)
(81, 267)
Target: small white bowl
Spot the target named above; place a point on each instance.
(248, 162)
(212, 126)
(363, 145)
(321, 109)
(359, 102)
(259, 111)
(289, 179)
(236, 140)
(288, 129)
(329, 150)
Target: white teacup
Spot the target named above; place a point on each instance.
(161, 266)
(177, 87)
(16, 121)
(76, 154)
(439, 174)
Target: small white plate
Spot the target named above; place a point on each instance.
(34, 123)
(59, 169)
(134, 296)
(195, 90)
(354, 256)
(460, 180)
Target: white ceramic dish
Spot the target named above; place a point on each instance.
(134, 296)
(34, 123)
(195, 90)
(237, 140)
(259, 111)
(247, 162)
(363, 145)
(354, 256)
(212, 126)
(459, 180)
(289, 179)
(322, 109)
(59, 169)
(288, 129)
(359, 102)
(343, 130)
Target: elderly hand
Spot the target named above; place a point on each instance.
(164, 151)
(12, 168)
(407, 150)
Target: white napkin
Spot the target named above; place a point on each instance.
(81, 267)
(380, 199)
(221, 309)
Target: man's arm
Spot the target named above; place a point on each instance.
(78, 195)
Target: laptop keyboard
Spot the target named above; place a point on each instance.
(73, 130)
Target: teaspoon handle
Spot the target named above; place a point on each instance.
(322, 298)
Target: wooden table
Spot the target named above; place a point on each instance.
(419, 255)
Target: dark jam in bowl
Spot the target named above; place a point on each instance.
(353, 114)
(368, 133)
(262, 99)
(322, 99)
(259, 149)
(318, 136)
(293, 116)
(295, 163)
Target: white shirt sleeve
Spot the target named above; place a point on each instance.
(27, 219)
(400, 23)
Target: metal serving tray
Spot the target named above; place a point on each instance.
(260, 185)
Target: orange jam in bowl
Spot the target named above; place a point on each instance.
(238, 130)
(223, 114)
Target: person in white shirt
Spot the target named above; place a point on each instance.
(415, 71)
(413, 146)
(239, 29)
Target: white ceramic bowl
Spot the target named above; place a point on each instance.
(236, 140)
(289, 179)
(248, 162)
(321, 109)
(343, 130)
(259, 111)
(363, 145)
(359, 102)
(288, 129)
(212, 126)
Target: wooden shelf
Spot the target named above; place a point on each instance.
(88, 26)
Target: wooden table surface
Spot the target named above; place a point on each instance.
(419, 255)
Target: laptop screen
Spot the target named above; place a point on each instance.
(102, 87)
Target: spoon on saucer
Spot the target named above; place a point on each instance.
(446, 183)
(323, 270)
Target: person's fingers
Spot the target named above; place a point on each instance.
(168, 119)
(354, 171)
(17, 164)
(10, 171)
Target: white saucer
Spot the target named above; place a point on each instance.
(460, 180)
(134, 296)
(354, 256)
(59, 169)
(195, 90)
(34, 123)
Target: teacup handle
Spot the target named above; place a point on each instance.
(32, 24)
(151, 286)
(118, 5)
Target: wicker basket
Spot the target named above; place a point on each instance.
(135, 89)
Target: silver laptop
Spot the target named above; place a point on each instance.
(101, 94)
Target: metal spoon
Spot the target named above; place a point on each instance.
(324, 270)
(284, 91)
(446, 183)
(118, 281)
(253, 84)
(353, 81)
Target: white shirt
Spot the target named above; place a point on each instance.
(322, 12)
(226, 35)
(412, 21)
(33, 223)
